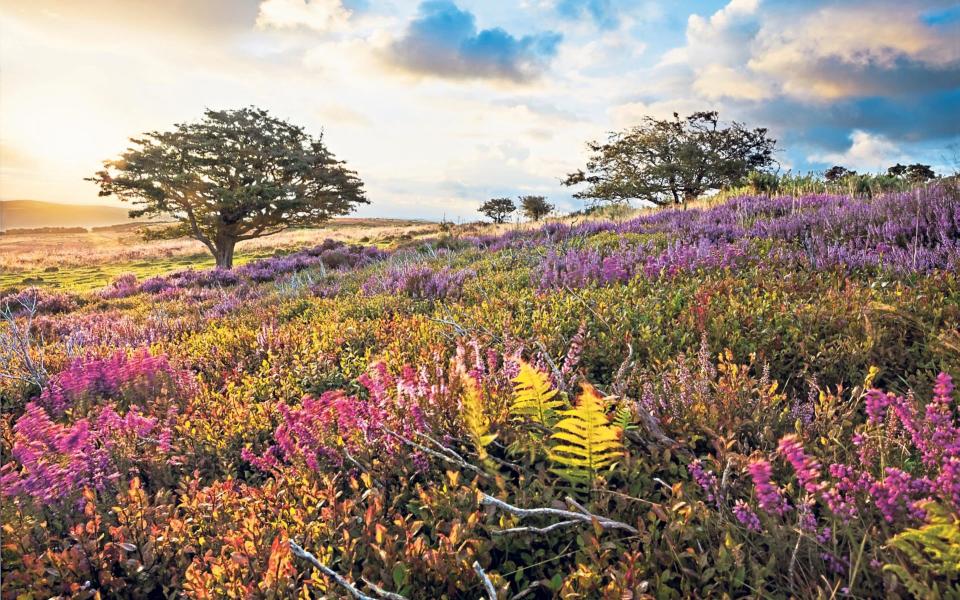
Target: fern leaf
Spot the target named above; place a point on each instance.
(933, 551)
(586, 442)
(533, 396)
(475, 418)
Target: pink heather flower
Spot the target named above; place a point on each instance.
(768, 495)
(807, 468)
(807, 520)
(948, 482)
(896, 494)
(52, 461)
(876, 405)
(746, 516)
(943, 388)
(135, 378)
(707, 480)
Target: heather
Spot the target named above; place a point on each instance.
(754, 398)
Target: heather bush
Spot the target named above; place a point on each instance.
(749, 399)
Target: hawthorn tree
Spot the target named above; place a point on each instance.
(836, 173)
(672, 161)
(535, 207)
(234, 175)
(915, 173)
(498, 209)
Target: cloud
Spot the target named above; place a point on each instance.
(857, 49)
(319, 15)
(602, 12)
(719, 81)
(444, 41)
(867, 152)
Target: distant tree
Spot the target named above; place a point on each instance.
(498, 209)
(535, 207)
(672, 161)
(235, 175)
(897, 170)
(836, 173)
(918, 173)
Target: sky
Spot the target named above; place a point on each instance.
(441, 104)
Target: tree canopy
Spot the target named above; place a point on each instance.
(498, 209)
(535, 207)
(672, 161)
(234, 175)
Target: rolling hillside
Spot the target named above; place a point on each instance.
(17, 214)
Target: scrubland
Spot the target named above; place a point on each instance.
(753, 398)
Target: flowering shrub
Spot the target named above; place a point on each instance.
(54, 461)
(420, 282)
(693, 379)
(127, 379)
(42, 300)
(121, 287)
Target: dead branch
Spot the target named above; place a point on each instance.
(382, 592)
(585, 516)
(301, 553)
(444, 457)
(537, 530)
(487, 584)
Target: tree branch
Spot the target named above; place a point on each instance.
(299, 552)
(585, 516)
(487, 584)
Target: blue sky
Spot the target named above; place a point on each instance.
(441, 104)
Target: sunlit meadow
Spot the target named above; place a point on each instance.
(460, 299)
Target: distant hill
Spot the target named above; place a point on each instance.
(18, 214)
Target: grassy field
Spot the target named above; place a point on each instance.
(85, 261)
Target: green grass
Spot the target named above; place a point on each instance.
(87, 278)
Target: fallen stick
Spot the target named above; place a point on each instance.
(299, 552)
(487, 584)
(585, 517)
(435, 454)
(539, 530)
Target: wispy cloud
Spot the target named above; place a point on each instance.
(867, 152)
(443, 40)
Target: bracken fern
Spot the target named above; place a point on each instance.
(586, 442)
(533, 397)
(474, 418)
(933, 550)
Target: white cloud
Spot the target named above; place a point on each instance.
(319, 15)
(720, 81)
(867, 152)
(841, 51)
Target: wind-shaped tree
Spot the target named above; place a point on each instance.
(235, 175)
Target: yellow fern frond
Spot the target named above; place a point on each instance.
(533, 396)
(475, 418)
(933, 550)
(585, 440)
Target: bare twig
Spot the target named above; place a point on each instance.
(537, 530)
(557, 374)
(487, 584)
(621, 379)
(576, 505)
(382, 592)
(529, 591)
(585, 517)
(17, 345)
(301, 553)
(444, 457)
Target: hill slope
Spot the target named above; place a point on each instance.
(16, 214)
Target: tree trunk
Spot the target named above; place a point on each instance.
(224, 253)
